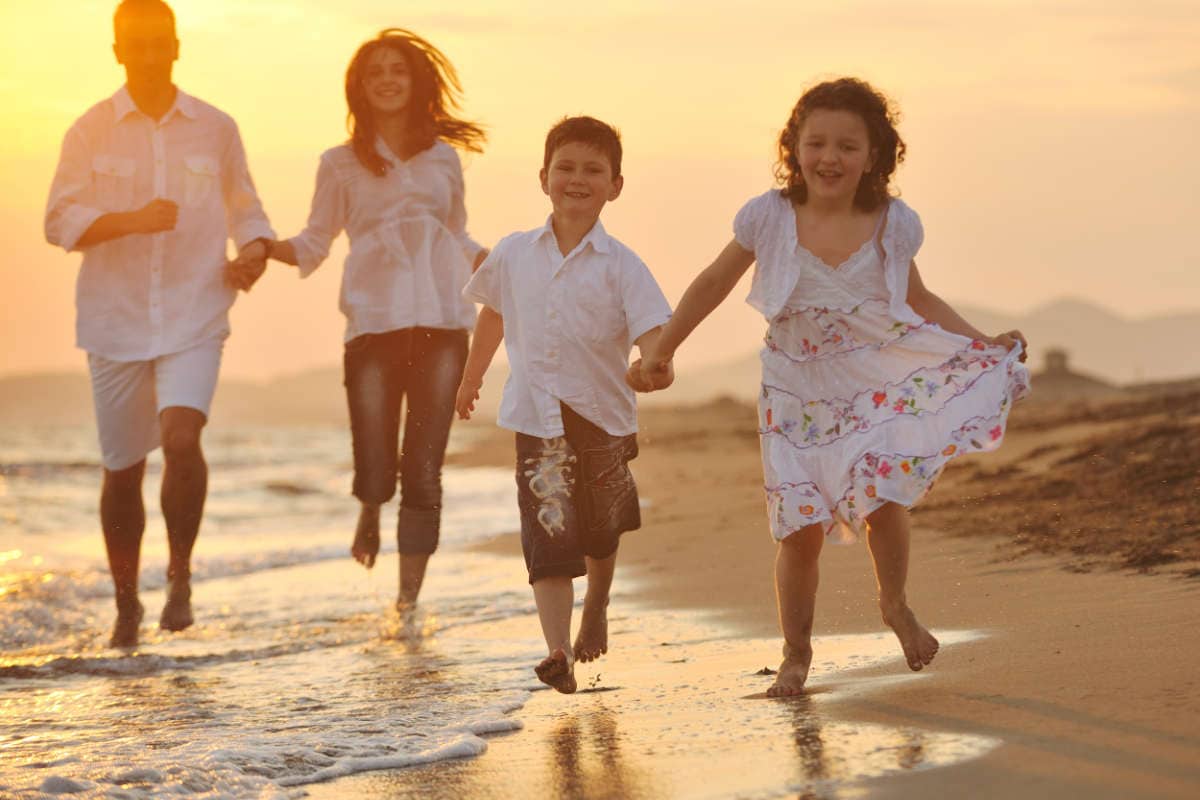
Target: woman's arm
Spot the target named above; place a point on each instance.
(489, 332)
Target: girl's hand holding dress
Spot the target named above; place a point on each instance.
(1011, 339)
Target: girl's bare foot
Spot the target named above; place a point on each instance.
(557, 671)
(366, 536)
(793, 672)
(592, 640)
(918, 643)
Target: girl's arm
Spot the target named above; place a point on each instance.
(936, 310)
(489, 332)
(706, 293)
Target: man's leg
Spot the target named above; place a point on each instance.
(184, 489)
(123, 518)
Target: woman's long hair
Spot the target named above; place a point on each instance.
(435, 93)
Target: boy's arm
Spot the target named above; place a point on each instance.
(706, 292)
(642, 382)
(489, 332)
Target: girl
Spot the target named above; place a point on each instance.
(871, 383)
(396, 188)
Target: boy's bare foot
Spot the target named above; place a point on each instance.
(177, 612)
(557, 671)
(592, 640)
(919, 644)
(793, 672)
(366, 537)
(125, 629)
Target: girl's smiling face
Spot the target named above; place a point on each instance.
(387, 81)
(834, 153)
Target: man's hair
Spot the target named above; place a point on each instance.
(585, 130)
(141, 8)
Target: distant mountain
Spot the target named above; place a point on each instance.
(1099, 342)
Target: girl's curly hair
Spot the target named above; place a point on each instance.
(880, 116)
(435, 93)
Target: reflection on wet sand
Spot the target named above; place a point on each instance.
(588, 760)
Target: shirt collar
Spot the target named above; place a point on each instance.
(184, 103)
(597, 237)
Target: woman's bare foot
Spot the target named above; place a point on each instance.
(793, 672)
(366, 536)
(592, 639)
(557, 671)
(919, 644)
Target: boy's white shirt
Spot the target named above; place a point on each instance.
(569, 326)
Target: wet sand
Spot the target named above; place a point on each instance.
(1064, 672)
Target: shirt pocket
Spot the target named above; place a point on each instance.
(601, 318)
(113, 176)
(200, 180)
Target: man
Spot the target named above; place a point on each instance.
(150, 185)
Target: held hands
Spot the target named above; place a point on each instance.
(245, 270)
(645, 375)
(468, 393)
(1010, 340)
(155, 217)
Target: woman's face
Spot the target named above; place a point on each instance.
(834, 150)
(387, 81)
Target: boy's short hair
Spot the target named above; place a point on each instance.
(131, 8)
(585, 130)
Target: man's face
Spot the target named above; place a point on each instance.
(579, 180)
(146, 46)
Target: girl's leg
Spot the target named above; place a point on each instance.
(555, 597)
(434, 370)
(374, 403)
(796, 578)
(887, 538)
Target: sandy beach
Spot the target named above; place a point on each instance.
(1068, 665)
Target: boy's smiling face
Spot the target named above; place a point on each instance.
(579, 180)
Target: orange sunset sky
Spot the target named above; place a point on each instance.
(1052, 143)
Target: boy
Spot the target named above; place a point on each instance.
(569, 301)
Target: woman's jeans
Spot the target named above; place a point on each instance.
(424, 365)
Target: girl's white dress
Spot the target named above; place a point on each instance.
(862, 401)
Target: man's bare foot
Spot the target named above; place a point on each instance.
(557, 671)
(366, 537)
(592, 640)
(177, 612)
(125, 629)
(793, 672)
(919, 644)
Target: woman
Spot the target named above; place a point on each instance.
(396, 188)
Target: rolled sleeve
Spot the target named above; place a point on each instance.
(67, 218)
(326, 219)
(485, 285)
(244, 212)
(646, 306)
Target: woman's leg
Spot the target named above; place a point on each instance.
(796, 578)
(373, 398)
(888, 538)
(432, 376)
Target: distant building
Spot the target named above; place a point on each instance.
(1057, 381)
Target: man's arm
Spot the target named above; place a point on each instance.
(245, 218)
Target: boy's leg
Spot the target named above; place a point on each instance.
(123, 393)
(374, 406)
(555, 598)
(433, 373)
(550, 542)
(796, 577)
(887, 538)
(592, 641)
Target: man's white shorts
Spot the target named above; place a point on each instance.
(129, 396)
